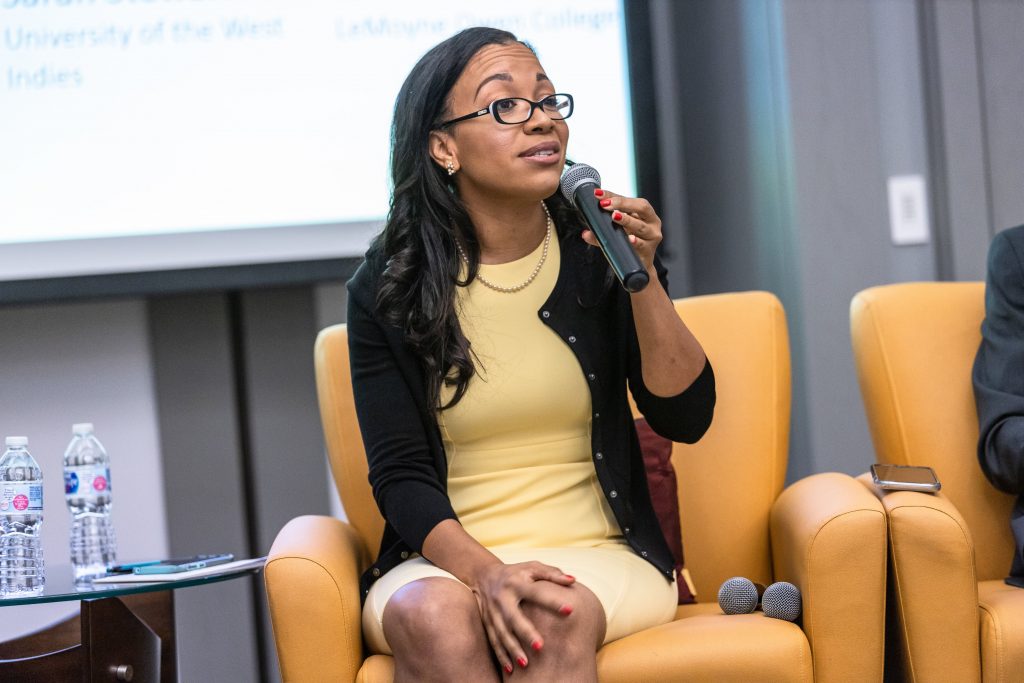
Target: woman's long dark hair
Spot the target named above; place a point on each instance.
(417, 290)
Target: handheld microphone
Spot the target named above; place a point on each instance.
(578, 185)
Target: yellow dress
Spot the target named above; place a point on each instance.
(520, 474)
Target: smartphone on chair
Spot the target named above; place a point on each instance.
(905, 478)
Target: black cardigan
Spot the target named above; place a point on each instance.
(407, 463)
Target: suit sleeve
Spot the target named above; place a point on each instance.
(402, 471)
(683, 417)
(998, 374)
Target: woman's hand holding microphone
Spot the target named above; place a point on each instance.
(637, 218)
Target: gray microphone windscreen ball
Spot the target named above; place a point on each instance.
(781, 600)
(737, 596)
(575, 176)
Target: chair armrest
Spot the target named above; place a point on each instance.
(934, 585)
(312, 580)
(828, 537)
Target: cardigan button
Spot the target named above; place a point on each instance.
(572, 339)
(405, 555)
(626, 530)
(643, 553)
(591, 376)
(613, 494)
(546, 314)
(597, 416)
(600, 456)
(376, 571)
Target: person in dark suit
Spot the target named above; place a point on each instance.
(998, 378)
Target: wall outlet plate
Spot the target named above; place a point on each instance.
(908, 210)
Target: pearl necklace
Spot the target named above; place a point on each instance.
(533, 275)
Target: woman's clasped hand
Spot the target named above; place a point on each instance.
(501, 590)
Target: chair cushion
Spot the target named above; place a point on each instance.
(710, 647)
(1002, 631)
(661, 480)
(696, 609)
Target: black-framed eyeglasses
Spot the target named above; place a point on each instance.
(513, 110)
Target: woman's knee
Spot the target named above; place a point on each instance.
(434, 614)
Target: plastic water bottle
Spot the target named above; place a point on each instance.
(88, 495)
(22, 571)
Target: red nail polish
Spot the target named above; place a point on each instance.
(521, 662)
(509, 669)
(617, 216)
(599, 192)
(565, 609)
(570, 577)
(605, 202)
(537, 645)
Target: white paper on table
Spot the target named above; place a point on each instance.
(215, 570)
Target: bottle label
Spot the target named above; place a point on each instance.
(86, 480)
(17, 498)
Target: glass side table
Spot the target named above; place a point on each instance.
(123, 632)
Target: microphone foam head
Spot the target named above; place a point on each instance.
(781, 600)
(737, 596)
(576, 175)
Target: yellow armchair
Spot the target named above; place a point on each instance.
(914, 346)
(825, 533)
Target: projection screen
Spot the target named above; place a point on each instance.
(154, 135)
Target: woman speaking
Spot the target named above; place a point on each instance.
(491, 351)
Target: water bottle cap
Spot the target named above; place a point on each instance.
(81, 428)
(16, 441)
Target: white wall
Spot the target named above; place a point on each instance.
(84, 362)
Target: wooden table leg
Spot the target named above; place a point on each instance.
(116, 644)
(157, 610)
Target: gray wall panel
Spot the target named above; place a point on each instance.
(958, 153)
(795, 115)
(1001, 26)
(203, 481)
(284, 424)
(676, 246)
(717, 147)
(858, 118)
(841, 215)
(285, 441)
(775, 237)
